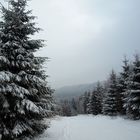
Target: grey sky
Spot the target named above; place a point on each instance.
(86, 38)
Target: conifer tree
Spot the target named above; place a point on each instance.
(66, 108)
(89, 106)
(110, 99)
(99, 93)
(92, 104)
(122, 86)
(132, 104)
(25, 98)
(86, 101)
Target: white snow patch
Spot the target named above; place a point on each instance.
(88, 127)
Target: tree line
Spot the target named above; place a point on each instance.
(118, 95)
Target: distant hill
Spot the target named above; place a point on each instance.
(68, 92)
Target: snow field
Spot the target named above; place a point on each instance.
(88, 127)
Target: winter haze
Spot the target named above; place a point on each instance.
(86, 38)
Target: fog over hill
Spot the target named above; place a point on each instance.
(68, 92)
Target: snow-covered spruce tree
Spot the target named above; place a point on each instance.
(122, 85)
(86, 97)
(110, 99)
(132, 104)
(89, 106)
(74, 106)
(80, 107)
(25, 98)
(66, 108)
(99, 94)
(92, 107)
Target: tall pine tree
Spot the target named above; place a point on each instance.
(99, 92)
(110, 99)
(25, 98)
(132, 104)
(122, 85)
(86, 101)
(92, 107)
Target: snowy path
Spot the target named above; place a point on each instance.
(92, 128)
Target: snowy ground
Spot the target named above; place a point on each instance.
(89, 127)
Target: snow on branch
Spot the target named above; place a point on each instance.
(6, 76)
(135, 91)
(4, 60)
(15, 90)
(30, 106)
(20, 128)
(31, 79)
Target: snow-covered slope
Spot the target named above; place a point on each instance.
(89, 127)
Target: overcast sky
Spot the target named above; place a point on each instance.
(86, 38)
